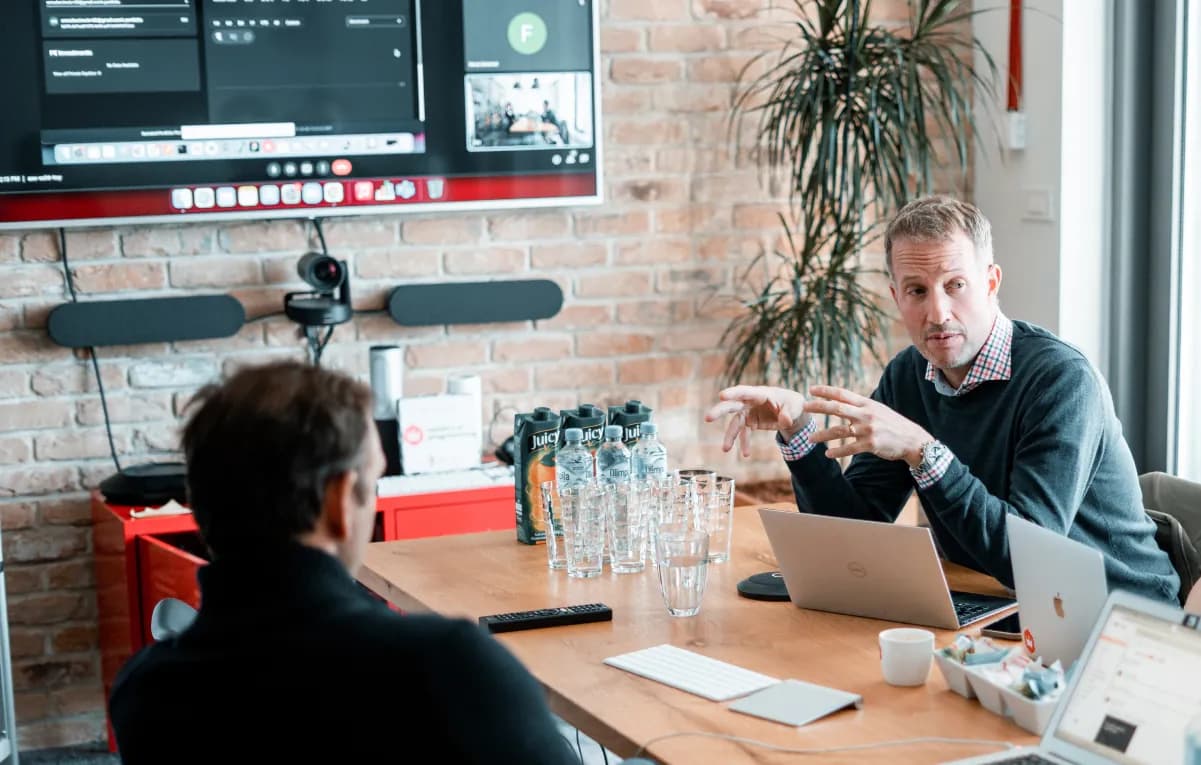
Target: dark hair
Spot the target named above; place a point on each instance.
(938, 219)
(261, 447)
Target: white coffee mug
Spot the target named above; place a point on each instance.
(906, 655)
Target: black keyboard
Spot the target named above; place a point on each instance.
(1026, 759)
(970, 606)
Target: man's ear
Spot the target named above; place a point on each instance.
(994, 279)
(337, 506)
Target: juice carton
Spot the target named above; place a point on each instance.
(588, 418)
(536, 435)
(630, 417)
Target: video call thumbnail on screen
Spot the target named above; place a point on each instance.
(204, 92)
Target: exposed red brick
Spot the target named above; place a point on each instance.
(655, 370)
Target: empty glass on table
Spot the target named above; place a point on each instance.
(626, 522)
(719, 518)
(583, 512)
(552, 522)
(669, 500)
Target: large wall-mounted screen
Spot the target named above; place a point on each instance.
(151, 110)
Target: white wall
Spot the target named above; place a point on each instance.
(1027, 250)
(1083, 231)
(1053, 261)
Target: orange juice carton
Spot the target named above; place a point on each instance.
(630, 417)
(536, 435)
(588, 418)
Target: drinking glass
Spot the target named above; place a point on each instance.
(552, 521)
(682, 554)
(702, 477)
(674, 502)
(627, 527)
(719, 518)
(583, 512)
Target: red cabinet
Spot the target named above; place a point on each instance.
(447, 512)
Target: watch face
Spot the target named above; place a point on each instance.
(930, 453)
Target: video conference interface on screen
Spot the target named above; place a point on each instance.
(204, 98)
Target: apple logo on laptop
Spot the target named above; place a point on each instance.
(1057, 602)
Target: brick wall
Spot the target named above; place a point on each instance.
(647, 278)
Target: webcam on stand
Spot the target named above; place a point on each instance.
(326, 306)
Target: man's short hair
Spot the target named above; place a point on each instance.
(261, 447)
(938, 219)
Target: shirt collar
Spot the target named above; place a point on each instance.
(993, 362)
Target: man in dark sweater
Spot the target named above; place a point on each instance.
(983, 416)
(289, 659)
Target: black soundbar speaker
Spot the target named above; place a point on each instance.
(149, 320)
(419, 305)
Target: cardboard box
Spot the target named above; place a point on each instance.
(439, 433)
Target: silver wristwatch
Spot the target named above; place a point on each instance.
(932, 452)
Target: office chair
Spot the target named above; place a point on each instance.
(170, 617)
(1175, 506)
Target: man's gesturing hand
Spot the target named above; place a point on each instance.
(870, 426)
(758, 407)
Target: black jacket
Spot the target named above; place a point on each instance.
(290, 660)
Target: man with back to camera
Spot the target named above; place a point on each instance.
(984, 416)
(288, 658)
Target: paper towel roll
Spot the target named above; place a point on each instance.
(465, 383)
(469, 384)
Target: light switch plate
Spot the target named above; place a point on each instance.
(1038, 205)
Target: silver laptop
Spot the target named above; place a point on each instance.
(1131, 695)
(864, 568)
(1061, 587)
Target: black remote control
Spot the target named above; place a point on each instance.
(547, 617)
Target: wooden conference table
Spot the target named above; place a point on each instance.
(475, 574)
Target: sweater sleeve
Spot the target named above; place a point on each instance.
(500, 708)
(871, 489)
(1057, 447)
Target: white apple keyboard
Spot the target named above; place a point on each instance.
(692, 672)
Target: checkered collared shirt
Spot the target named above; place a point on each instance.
(993, 362)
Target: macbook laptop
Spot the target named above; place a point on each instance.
(1061, 587)
(864, 568)
(1131, 695)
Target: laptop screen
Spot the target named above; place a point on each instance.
(1137, 691)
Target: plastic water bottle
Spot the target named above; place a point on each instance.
(574, 464)
(613, 458)
(649, 456)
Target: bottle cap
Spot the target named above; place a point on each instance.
(588, 410)
(542, 413)
(649, 429)
(612, 431)
(574, 434)
(633, 406)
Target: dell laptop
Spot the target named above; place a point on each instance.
(1131, 695)
(1061, 587)
(865, 568)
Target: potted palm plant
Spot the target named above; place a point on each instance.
(856, 116)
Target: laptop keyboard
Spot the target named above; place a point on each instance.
(1026, 759)
(970, 606)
